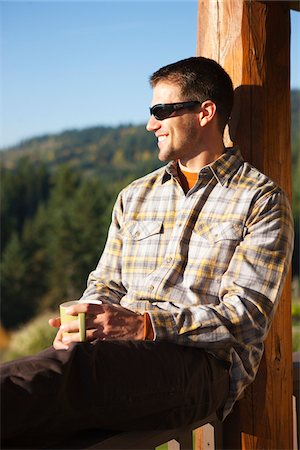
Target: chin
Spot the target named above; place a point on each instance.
(165, 156)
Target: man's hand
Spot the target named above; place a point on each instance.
(104, 322)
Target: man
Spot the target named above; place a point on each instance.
(189, 281)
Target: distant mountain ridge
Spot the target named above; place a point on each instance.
(93, 150)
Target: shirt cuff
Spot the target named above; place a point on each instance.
(163, 325)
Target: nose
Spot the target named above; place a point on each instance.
(153, 124)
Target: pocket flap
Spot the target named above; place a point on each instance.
(141, 229)
(219, 231)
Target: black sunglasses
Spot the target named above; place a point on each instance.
(164, 110)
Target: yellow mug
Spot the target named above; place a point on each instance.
(67, 318)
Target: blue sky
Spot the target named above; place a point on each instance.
(74, 64)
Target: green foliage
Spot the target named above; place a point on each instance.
(295, 104)
(296, 339)
(15, 307)
(35, 336)
(296, 324)
(57, 194)
(296, 312)
(23, 189)
(78, 225)
(49, 259)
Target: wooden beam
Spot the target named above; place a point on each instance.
(251, 40)
(291, 4)
(295, 5)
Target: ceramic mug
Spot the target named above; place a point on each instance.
(67, 318)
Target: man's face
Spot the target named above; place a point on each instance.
(178, 136)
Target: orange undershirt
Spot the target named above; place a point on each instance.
(187, 181)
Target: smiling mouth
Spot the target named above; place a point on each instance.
(161, 138)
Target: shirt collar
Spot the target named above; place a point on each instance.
(222, 168)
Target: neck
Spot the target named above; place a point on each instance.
(206, 155)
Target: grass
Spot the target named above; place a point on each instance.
(33, 337)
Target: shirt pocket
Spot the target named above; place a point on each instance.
(139, 230)
(213, 245)
(141, 250)
(215, 232)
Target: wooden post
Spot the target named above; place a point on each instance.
(251, 40)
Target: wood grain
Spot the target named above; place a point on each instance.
(251, 40)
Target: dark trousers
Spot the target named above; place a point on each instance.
(108, 385)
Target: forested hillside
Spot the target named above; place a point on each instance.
(112, 153)
(56, 199)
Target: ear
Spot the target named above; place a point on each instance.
(208, 112)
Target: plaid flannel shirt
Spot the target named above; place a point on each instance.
(208, 266)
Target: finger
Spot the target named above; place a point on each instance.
(87, 308)
(58, 344)
(92, 322)
(93, 334)
(70, 327)
(54, 322)
(70, 337)
(94, 309)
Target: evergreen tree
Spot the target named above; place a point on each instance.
(22, 190)
(78, 226)
(16, 305)
(24, 270)
(35, 238)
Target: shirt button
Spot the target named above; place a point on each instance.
(151, 287)
(169, 259)
(137, 234)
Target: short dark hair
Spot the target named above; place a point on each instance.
(200, 79)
